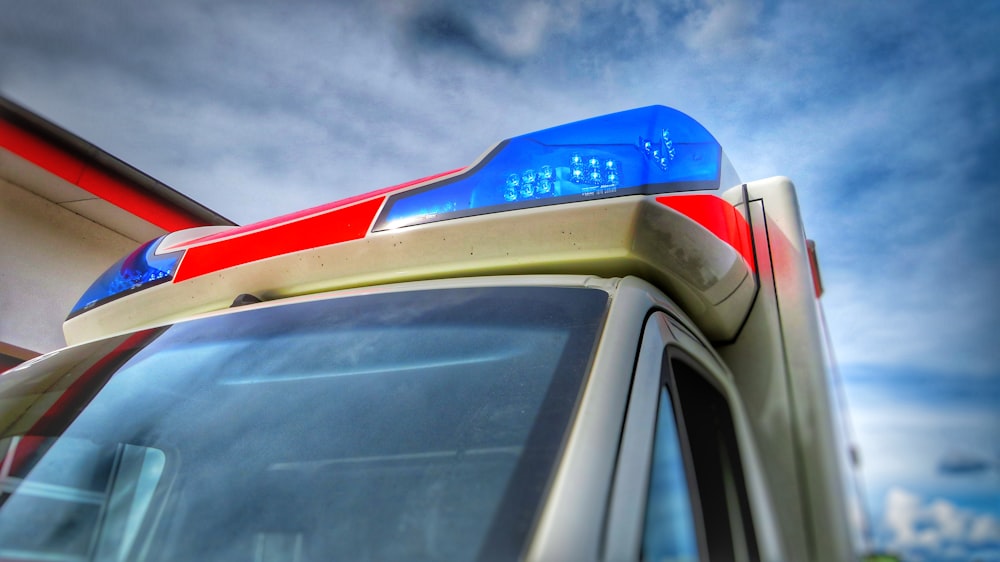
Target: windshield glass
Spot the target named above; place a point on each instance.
(412, 425)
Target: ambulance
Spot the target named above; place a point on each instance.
(594, 343)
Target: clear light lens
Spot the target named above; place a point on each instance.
(649, 150)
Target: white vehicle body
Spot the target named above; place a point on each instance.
(723, 322)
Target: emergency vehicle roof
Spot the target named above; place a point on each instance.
(609, 196)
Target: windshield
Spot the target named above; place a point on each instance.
(416, 425)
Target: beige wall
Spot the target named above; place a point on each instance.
(48, 258)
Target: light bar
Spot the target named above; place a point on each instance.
(138, 270)
(649, 150)
(646, 151)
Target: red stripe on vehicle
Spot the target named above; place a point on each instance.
(75, 170)
(718, 216)
(338, 225)
(233, 232)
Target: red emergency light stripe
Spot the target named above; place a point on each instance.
(75, 170)
(308, 212)
(338, 225)
(718, 216)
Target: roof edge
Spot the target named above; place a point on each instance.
(94, 157)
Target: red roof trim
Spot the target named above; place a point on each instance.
(75, 170)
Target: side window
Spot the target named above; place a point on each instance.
(670, 529)
(697, 500)
(74, 499)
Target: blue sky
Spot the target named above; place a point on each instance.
(885, 114)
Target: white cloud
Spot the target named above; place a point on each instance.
(912, 525)
(952, 524)
(902, 512)
(721, 26)
(985, 529)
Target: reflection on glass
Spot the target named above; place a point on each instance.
(388, 426)
(669, 533)
(76, 496)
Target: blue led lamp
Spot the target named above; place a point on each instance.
(138, 270)
(649, 150)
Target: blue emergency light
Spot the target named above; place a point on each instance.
(138, 270)
(649, 150)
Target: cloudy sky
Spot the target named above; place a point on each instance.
(885, 114)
